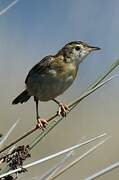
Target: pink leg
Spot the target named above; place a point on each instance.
(63, 108)
(41, 123)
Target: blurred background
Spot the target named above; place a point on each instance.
(31, 30)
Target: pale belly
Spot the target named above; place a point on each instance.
(46, 87)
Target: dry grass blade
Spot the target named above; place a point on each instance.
(11, 149)
(8, 133)
(72, 105)
(88, 92)
(105, 74)
(8, 7)
(53, 124)
(56, 168)
(77, 160)
(103, 171)
(53, 155)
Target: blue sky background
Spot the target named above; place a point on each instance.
(32, 29)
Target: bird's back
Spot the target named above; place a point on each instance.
(50, 77)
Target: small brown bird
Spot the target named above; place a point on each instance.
(53, 75)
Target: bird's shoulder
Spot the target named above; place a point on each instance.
(45, 64)
(40, 66)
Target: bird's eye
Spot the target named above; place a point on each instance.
(77, 48)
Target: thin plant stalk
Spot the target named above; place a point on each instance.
(103, 171)
(53, 155)
(74, 104)
(8, 133)
(104, 74)
(53, 124)
(37, 140)
(3, 11)
(56, 168)
(77, 160)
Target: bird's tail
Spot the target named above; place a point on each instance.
(23, 97)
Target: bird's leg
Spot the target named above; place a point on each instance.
(41, 123)
(63, 108)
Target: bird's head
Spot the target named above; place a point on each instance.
(77, 50)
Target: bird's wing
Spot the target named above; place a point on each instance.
(41, 66)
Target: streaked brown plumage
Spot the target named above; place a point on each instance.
(53, 75)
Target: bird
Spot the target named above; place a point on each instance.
(53, 75)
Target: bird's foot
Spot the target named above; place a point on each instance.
(63, 110)
(41, 123)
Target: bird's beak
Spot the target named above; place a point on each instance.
(94, 48)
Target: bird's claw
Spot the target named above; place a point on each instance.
(41, 123)
(63, 110)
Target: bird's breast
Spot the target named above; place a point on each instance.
(63, 70)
